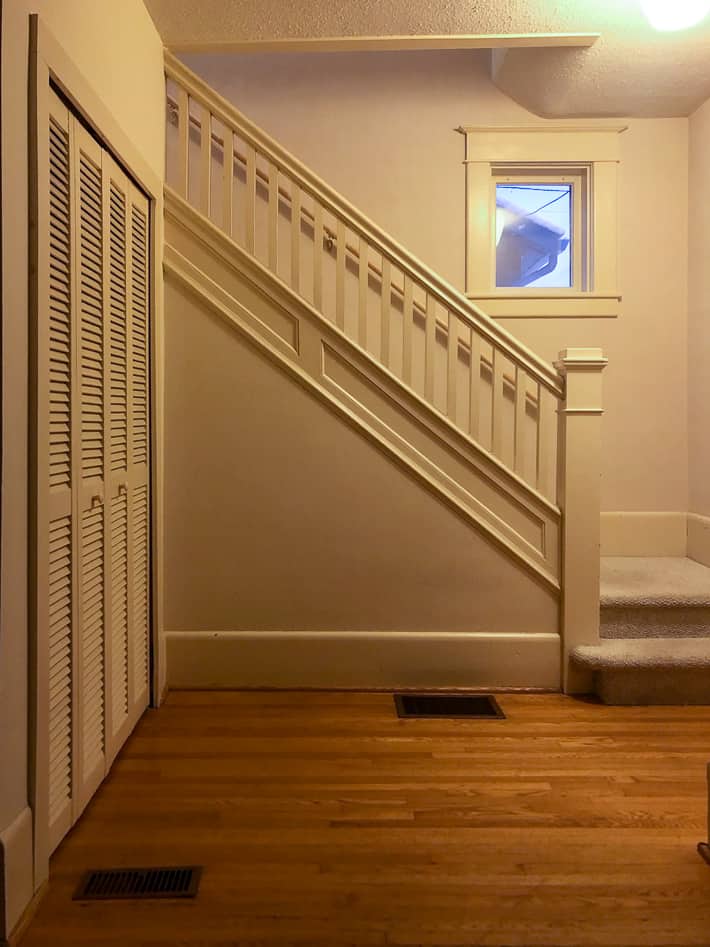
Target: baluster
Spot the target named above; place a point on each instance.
(273, 217)
(520, 405)
(205, 160)
(497, 403)
(385, 301)
(340, 275)
(363, 285)
(429, 348)
(452, 365)
(295, 237)
(543, 466)
(475, 385)
(317, 255)
(407, 331)
(227, 180)
(183, 141)
(250, 201)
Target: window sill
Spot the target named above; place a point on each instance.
(537, 304)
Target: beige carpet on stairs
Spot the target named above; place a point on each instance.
(655, 631)
(654, 598)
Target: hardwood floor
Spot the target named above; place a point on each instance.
(323, 819)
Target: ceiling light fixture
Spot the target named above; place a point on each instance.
(670, 15)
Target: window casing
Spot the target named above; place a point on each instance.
(551, 157)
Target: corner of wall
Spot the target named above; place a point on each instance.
(699, 538)
(16, 872)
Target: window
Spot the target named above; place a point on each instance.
(541, 229)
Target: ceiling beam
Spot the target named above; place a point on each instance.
(339, 44)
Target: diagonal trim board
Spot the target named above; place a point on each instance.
(319, 357)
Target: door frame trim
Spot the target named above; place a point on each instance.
(48, 61)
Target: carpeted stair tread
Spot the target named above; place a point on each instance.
(644, 653)
(648, 671)
(664, 581)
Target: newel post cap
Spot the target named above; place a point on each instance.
(581, 359)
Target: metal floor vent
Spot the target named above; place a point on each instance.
(448, 705)
(109, 884)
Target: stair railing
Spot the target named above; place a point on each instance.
(228, 168)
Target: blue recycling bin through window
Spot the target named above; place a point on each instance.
(533, 223)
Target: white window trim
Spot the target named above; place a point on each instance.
(550, 146)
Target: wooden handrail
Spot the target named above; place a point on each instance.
(446, 294)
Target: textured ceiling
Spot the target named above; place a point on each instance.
(631, 70)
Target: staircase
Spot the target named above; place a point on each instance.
(508, 442)
(655, 633)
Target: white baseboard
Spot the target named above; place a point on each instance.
(643, 534)
(16, 871)
(699, 538)
(361, 659)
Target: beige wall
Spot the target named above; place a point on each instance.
(380, 128)
(120, 54)
(699, 312)
(281, 517)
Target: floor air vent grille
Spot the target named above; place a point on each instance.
(481, 706)
(111, 884)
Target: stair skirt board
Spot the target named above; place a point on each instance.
(361, 659)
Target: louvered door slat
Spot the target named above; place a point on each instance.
(140, 626)
(91, 309)
(60, 665)
(92, 639)
(60, 375)
(118, 308)
(139, 337)
(119, 611)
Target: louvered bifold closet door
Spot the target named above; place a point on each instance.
(90, 690)
(56, 605)
(138, 455)
(92, 502)
(127, 473)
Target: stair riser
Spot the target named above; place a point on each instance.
(654, 622)
(653, 686)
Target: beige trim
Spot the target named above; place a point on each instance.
(48, 60)
(17, 935)
(343, 659)
(539, 306)
(16, 875)
(699, 538)
(564, 147)
(339, 44)
(643, 534)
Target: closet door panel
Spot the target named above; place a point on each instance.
(139, 498)
(89, 329)
(118, 187)
(56, 599)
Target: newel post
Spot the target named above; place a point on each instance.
(579, 486)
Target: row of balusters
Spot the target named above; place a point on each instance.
(438, 353)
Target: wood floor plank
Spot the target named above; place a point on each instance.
(323, 819)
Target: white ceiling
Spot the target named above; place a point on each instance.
(630, 71)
